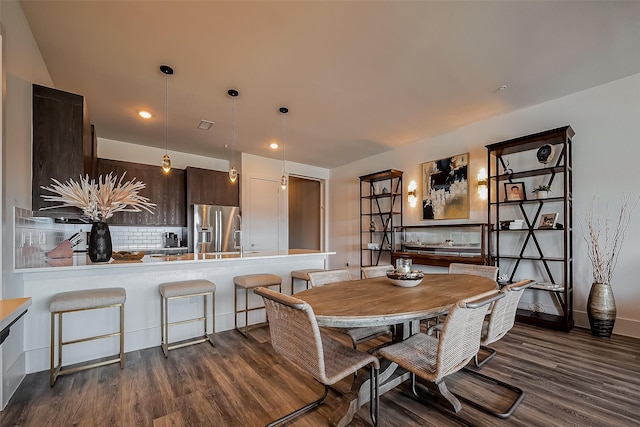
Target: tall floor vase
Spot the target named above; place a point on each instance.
(100, 248)
(601, 309)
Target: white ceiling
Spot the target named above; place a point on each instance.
(359, 78)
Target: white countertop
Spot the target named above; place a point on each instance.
(82, 261)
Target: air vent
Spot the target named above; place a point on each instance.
(205, 124)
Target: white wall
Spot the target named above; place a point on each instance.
(606, 150)
(125, 151)
(22, 65)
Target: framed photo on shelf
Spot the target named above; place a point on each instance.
(514, 191)
(548, 220)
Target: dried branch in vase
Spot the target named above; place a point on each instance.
(99, 200)
(604, 237)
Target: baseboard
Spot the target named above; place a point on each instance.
(626, 327)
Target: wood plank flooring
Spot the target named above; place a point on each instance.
(571, 379)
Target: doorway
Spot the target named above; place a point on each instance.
(305, 213)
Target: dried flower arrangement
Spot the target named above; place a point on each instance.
(99, 200)
(603, 249)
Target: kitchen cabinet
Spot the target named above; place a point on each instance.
(522, 243)
(63, 142)
(209, 187)
(167, 191)
(380, 212)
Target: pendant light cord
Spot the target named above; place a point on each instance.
(166, 113)
(233, 125)
(283, 137)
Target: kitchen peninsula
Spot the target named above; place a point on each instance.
(142, 307)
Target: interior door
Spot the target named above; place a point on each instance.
(265, 216)
(305, 226)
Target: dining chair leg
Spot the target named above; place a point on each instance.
(300, 411)
(506, 414)
(374, 396)
(481, 363)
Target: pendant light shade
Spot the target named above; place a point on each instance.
(166, 161)
(233, 172)
(283, 179)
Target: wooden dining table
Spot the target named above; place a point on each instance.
(377, 301)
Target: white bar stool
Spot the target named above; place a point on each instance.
(91, 299)
(186, 289)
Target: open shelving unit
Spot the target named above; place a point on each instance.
(380, 212)
(531, 252)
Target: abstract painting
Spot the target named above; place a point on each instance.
(445, 190)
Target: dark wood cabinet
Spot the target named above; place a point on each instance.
(209, 187)
(63, 141)
(167, 191)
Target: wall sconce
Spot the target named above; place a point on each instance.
(413, 198)
(482, 184)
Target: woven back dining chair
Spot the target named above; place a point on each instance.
(432, 359)
(496, 325)
(320, 278)
(296, 336)
(376, 270)
(357, 335)
(488, 271)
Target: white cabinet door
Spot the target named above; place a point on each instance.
(265, 216)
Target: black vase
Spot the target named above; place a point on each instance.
(100, 242)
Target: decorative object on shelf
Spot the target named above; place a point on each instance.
(506, 169)
(445, 188)
(283, 178)
(604, 240)
(545, 153)
(98, 202)
(385, 190)
(166, 161)
(483, 188)
(541, 191)
(405, 280)
(372, 226)
(548, 220)
(514, 191)
(233, 172)
(412, 198)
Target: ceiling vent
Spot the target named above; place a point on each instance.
(205, 124)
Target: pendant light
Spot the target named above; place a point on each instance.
(166, 161)
(233, 172)
(283, 179)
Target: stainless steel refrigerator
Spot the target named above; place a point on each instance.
(216, 228)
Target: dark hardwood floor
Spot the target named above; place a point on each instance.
(571, 379)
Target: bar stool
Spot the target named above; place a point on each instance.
(250, 281)
(186, 289)
(67, 302)
(302, 275)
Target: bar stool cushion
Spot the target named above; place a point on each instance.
(85, 299)
(256, 280)
(186, 287)
(304, 274)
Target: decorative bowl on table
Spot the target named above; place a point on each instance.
(405, 280)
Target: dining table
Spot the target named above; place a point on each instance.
(377, 301)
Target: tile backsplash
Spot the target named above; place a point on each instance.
(34, 236)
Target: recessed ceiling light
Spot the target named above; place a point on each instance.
(144, 114)
(205, 124)
(273, 145)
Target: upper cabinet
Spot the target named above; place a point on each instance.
(209, 187)
(167, 191)
(63, 141)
